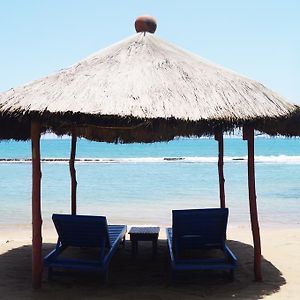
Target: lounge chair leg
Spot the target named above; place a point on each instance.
(123, 242)
(105, 277)
(50, 273)
(173, 278)
(231, 275)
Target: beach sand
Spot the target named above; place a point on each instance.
(144, 278)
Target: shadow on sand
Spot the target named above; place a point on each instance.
(141, 278)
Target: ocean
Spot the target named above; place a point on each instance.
(142, 183)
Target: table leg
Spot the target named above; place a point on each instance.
(134, 248)
(154, 248)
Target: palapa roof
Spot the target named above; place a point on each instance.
(143, 89)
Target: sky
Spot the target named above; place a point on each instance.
(258, 39)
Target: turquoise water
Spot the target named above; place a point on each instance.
(177, 148)
(142, 183)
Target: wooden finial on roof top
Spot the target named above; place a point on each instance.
(145, 24)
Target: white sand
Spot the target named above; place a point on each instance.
(147, 279)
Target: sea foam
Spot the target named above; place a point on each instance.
(272, 159)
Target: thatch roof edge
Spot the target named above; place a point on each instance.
(131, 129)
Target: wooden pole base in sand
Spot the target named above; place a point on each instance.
(248, 134)
(37, 265)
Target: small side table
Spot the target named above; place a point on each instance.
(143, 234)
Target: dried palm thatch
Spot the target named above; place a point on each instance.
(143, 89)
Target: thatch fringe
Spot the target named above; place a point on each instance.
(128, 130)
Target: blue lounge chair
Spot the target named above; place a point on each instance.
(194, 233)
(85, 231)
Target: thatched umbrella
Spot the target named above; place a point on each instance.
(142, 89)
(148, 84)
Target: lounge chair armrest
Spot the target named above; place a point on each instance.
(54, 253)
(230, 254)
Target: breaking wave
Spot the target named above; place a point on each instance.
(280, 159)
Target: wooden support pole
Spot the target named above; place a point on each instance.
(37, 266)
(219, 138)
(248, 134)
(73, 172)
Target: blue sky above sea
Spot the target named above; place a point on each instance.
(258, 39)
